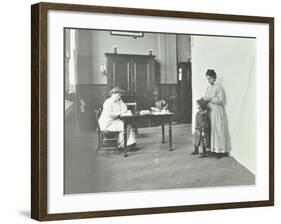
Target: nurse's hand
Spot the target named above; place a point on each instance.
(207, 98)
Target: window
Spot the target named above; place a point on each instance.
(71, 61)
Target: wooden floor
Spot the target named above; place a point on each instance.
(149, 166)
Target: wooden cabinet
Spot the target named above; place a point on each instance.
(135, 74)
(119, 73)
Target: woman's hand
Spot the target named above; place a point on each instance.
(117, 115)
(207, 98)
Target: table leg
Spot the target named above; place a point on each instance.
(125, 140)
(163, 133)
(135, 128)
(170, 135)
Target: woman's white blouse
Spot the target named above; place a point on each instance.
(110, 112)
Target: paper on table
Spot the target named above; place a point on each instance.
(143, 112)
(127, 113)
(161, 112)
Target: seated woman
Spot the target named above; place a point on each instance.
(109, 120)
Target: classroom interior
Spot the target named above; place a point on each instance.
(145, 64)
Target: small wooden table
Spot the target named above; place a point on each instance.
(165, 118)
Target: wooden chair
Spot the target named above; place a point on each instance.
(132, 106)
(105, 137)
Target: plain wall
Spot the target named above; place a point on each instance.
(168, 58)
(183, 47)
(234, 61)
(92, 45)
(85, 57)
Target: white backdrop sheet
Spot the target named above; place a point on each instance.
(234, 60)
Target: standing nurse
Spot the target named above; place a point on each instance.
(220, 140)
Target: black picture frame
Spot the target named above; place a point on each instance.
(39, 110)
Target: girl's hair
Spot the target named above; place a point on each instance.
(203, 103)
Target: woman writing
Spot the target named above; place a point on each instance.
(109, 120)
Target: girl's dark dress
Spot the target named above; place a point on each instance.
(202, 129)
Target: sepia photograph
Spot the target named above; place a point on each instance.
(150, 111)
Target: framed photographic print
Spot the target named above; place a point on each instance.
(141, 111)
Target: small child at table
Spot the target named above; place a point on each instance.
(202, 128)
(160, 103)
